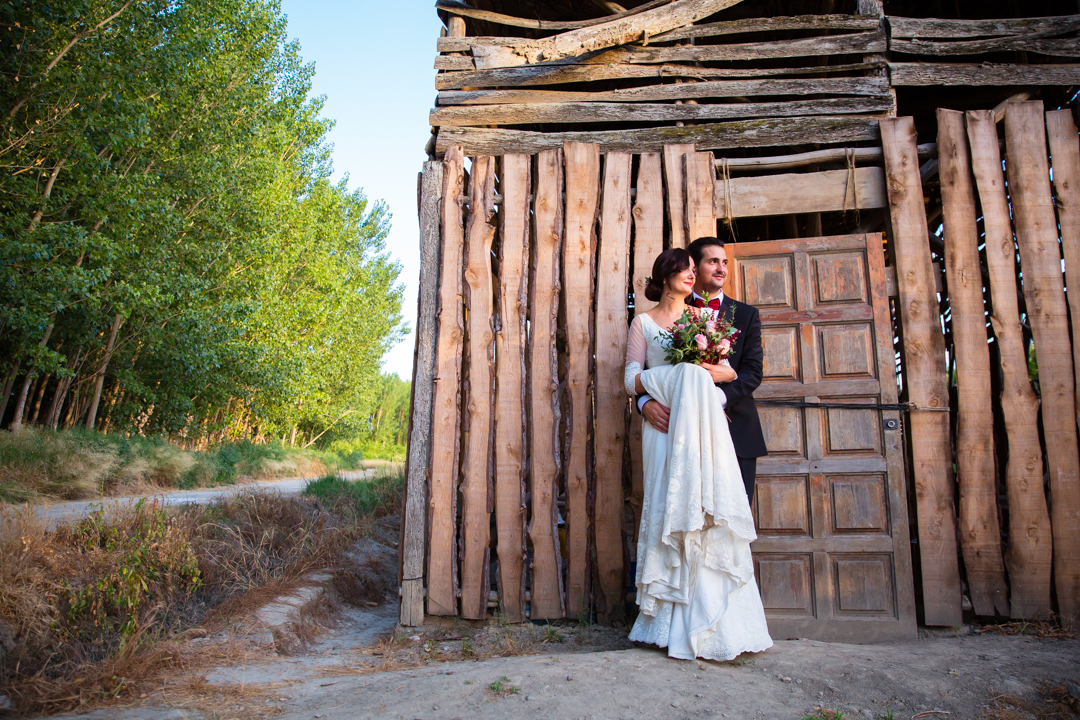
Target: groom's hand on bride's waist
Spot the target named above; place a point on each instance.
(657, 415)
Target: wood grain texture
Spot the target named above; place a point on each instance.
(610, 422)
(544, 411)
(957, 74)
(675, 191)
(1060, 48)
(531, 75)
(813, 157)
(771, 24)
(787, 194)
(648, 244)
(477, 460)
(901, 27)
(582, 208)
(980, 533)
(464, 10)
(743, 133)
(417, 471)
(1028, 555)
(582, 112)
(1065, 154)
(870, 86)
(699, 180)
(923, 359)
(442, 576)
(1040, 258)
(510, 418)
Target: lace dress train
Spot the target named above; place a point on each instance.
(695, 575)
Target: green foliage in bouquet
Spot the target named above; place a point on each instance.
(696, 337)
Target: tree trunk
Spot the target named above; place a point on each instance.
(9, 383)
(20, 404)
(39, 395)
(69, 419)
(91, 417)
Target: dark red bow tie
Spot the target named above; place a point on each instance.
(714, 303)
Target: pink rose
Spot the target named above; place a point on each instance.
(725, 345)
(681, 326)
(702, 341)
(710, 326)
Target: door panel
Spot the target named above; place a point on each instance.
(832, 556)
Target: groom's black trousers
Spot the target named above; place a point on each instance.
(748, 468)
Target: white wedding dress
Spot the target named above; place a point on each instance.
(695, 576)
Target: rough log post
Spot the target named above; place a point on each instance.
(442, 583)
(1065, 155)
(413, 529)
(699, 176)
(648, 243)
(1028, 556)
(611, 401)
(1044, 293)
(582, 207)
(924, 376)
(476, 463)
(675, 185)
(510, 386)
(980, 534)
(544, 412)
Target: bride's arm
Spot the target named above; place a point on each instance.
(635, 359)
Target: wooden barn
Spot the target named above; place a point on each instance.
(899, 188)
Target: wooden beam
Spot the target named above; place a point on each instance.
(744, 133)
(544, 410)
(1048, 316)
(957, 74)
(901, 27)
(699, 181)
(1069, 47)
(442, 576)
(510, 425)
(870, 86)
(675, 184)
(460, 8)
(477, 460)
(771, 24)
(1028, 556)
(417, 474)
(582, 207)
(1064, 152)
(795, 193)
(923, 360)
(648, 243)
(531, 75)
(619, 31)
(815, 157)
(610, 421)
(583, 112)
(976, 471)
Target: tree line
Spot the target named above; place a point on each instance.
(175, 257)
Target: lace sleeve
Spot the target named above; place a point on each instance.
(635, 356)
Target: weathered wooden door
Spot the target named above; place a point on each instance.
(832, 557)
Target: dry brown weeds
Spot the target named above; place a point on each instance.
(1054, 703)
(1049, 628)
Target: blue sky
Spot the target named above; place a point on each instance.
(373, 62)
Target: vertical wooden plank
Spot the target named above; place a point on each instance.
(700, 178)
(980, 534)
(442, 508)
(1044, 295)
(510, 386)
(1065, 156)
(924, 376)
(544, 412)
(674, 184)
(648, 243)
(612, 284)
(411, 611)
(1028, 555)
(582, 206)
(476, 463)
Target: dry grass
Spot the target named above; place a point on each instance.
(1054, 703)
(90, 610)
(1050, 628)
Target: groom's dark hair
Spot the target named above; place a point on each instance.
(697, 248)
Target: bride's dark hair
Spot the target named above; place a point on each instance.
(670, 262)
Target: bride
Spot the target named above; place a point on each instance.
(695, 577)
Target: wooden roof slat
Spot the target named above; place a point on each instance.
(460, 8)
(965, 74)
(901, 27)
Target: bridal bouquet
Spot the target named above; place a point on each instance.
(698, 338)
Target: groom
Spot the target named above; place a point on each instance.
(743, 377)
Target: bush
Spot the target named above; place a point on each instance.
(377, 496)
